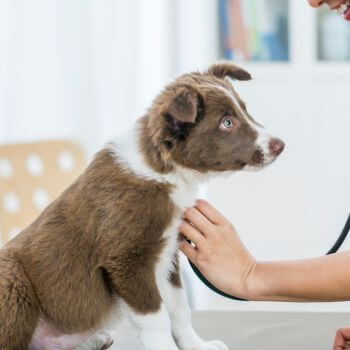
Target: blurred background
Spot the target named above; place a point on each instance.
(85, 70)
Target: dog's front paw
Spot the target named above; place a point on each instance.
(203, 345)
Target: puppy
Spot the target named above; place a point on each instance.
(108, 245)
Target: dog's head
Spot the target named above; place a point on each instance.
(200, 122)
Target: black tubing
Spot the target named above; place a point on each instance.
(341, 238)
(333, 250)
(211, 286)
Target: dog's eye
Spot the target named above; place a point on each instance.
(228, 123)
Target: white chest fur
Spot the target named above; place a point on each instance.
(185, 184)
(185, 181)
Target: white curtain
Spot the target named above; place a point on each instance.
(80, 69)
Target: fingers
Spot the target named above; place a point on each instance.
(342, 339)
(210, 212)
(338, 342)
(198, 220)
(345, 332)
(188, 249)
(192, 234)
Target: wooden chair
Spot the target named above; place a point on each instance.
(31, 176)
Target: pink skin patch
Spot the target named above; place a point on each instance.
(48, 338)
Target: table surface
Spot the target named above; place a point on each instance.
(248, 330)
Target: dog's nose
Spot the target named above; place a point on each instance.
(276, 146)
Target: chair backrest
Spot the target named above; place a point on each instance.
(31, 176)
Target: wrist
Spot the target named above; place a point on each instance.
(255, 282)
(248, 280)
(268, 281)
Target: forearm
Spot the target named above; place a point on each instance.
(318, 279)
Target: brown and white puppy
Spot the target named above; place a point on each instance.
(109, 243)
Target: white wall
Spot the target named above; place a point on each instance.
(132, 50)
(83, 69)
(44, 69)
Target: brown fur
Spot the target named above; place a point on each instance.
(174, 277)
(100, 240)
(87, 246)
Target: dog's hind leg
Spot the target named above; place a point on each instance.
(19, 309)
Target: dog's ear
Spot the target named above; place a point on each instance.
(183, 105)
(222, 70)
(182, 109)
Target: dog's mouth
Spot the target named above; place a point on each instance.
(240, 164)
(259, 160)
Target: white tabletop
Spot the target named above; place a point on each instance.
(248, 330)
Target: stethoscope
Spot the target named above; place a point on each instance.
(333, 250)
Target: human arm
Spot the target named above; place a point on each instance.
(223, 259)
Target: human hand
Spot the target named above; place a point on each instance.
(219, 253)
(342, 339)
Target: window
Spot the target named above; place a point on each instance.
(254, 30)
